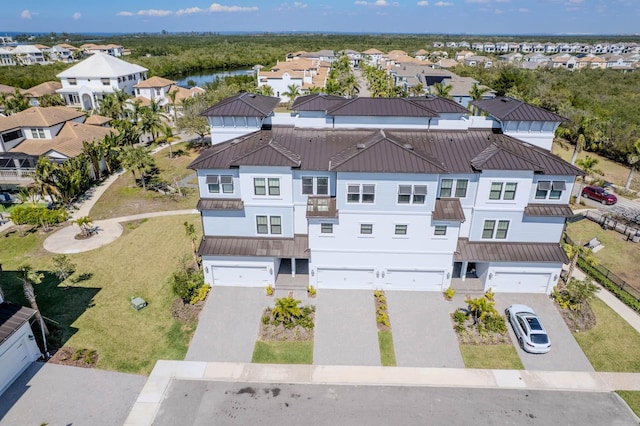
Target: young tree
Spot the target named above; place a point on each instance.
(45, 178)
(293, 91)
(442, 89)
(190, 230)
(29, 277)
(168, 137)
(633, 158)
(137, 159)
(63, 268)
(588, 164)
(84, 223)
(94, 152)
(574, 251)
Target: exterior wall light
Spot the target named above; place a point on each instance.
(490, 275)
(206, 269)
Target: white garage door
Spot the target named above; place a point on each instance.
(13, 362)
(519, 282)
(399, 279)
(345, 278)
(257, 276)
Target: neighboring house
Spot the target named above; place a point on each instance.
(84, 84)
(108, 49)
(154, 88)
(461, 90)
(18, 348)
(512, 58)
(27, 54)
(591, 61)
(372, 56)
(302, 72)
(354, 57)
(6, 57)
(380, 193)
(36, 92)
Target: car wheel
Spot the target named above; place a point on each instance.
(604, 202)
(506, 312)
(521, 343)
(585, 195)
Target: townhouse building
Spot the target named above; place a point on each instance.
(383, 193)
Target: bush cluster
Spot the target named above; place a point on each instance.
(382, 317)
(35, 215)
(572, 295)
(288, 313)
(189, 285)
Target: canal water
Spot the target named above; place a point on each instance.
(201, 79)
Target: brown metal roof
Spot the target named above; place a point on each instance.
(371, 150)
(549, 210)
(505, 108)
(387, 107)
(297, 247)
(480, 251)
(243, 105)
(448, 209)
(220, 204)
(320, 207)
(439, 105)
(316, 102)
(11, 319)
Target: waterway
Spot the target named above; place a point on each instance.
(201, 79)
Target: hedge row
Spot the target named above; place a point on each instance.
(33, 215)
(621, 294)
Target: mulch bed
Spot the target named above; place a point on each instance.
(185, 312)
(84, 358)
(581, 320)
(471, 336)
(381, 309)
(271, 332)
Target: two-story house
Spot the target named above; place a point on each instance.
(84, 84)
(388, 193)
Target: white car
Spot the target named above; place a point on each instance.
(531, 335)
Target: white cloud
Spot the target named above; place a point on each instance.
(25, 14)
(476, 1)
(216, 7)
(523, 10)
(503, 1)
(76, 16)
(190, 11)
(125, 13)
(443, 4)
(299, 5)
(575, 1)
(295, 5)
(423, 3)
(154, 12)
(374, 3)
(497, 12)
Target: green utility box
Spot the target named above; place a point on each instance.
(138, 303)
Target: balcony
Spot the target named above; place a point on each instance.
(17, 177)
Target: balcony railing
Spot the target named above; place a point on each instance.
(17, 176)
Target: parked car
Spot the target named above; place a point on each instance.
(599, 194)
(531, 335)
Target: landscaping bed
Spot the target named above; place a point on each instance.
(84, 358)
(385, 337)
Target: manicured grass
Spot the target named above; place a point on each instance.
(283, 352)
(387, 352)
(497, 357)
(613, 172)
(124, 198)
(95, 313)
(618, 255)
(612, 345)
(632, 398)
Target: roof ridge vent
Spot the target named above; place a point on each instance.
(361, 146)
(408, 146)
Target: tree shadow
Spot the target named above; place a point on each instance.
(60, 305)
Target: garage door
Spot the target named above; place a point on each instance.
(257, 276)
(405, 279)
(13, 362)
(345, 278)
(519, 282)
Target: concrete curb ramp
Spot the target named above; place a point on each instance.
(150, 399)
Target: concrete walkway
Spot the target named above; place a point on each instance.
(62, 395)
(154, 392)
(345, 328)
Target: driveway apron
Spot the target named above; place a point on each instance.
(345, 329)
(423, 335)
(228, 325)
(565, 354)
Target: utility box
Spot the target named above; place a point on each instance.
(138, 303)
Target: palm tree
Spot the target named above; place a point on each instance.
(173, 92)
(45, 178)
(29, 277)
(265, 90)
(16, 102)
(286, 310)
(442, 89)
(577, 131)
(168, 137)
(351, 86)
(109, 144)
(293, 91)
(84, 223)
(137, 159)
(480, 308)
(588, 165)
(633, 159)
(574, 251)
(95, 153)
(416, 90)
(190, 230)
(129, 133)
(150, 121)
(476, 94)
(63, 268)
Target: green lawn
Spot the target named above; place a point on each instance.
(283, 352)
(618, 255)
(387, 352)
(496, 357)
(124, 198)
(612, 345)
(95, 313)
(613, 172)
(632, 398)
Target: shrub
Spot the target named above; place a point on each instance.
(187, 284)
(449, 293)
(383, 318)
(460, 316)
(34, 215)
(269, 290)
(574, 293)
(621, 294)
(495, 324)
(200, 294)
(311, 291)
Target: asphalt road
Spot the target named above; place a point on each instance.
(222, 403)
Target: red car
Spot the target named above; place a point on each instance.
(599, 194)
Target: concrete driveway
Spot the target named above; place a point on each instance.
(423, 335)
(228, 325)
(345, 328)
(62, 395)
(565, 354)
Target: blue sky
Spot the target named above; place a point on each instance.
(386, 16)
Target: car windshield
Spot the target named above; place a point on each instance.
(534, 324)
(539, 338)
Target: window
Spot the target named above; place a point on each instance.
(158, 93)
(72, 81)
(322, 186)
(307, 185)
(415, 194)
(34, 133)
(489, 227)
(552, 190)
(74, 99)
(361, 193)
(274, 186)
(315, 185)
(509, 191)
(326, 228)
(440, 230)
(259, 186)
(496, 191)
(105, 81)
(276, 224)
(445, 188)
(270, 224)
(366, 228)
(401, 229)
(461, 188)
(215, 182)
